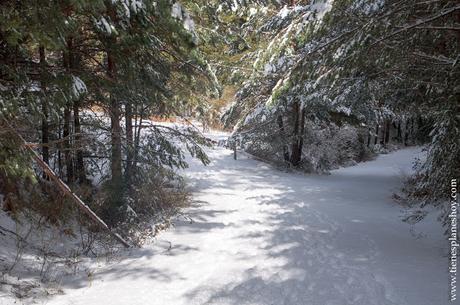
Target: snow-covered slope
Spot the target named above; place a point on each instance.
(261, 236)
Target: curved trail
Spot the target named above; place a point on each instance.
(261, 236)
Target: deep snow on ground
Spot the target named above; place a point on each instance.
(262, 236)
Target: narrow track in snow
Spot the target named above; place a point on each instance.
(262, 236)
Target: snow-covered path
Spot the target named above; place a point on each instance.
(261, 236)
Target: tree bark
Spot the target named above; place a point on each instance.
(115, 166)
(297, 144)
(387, 132)
(129, 141)
(68, 145)
(369, 137)
(376, 134)
(79, 162)
(44, 104)
(137, 136)
(68, 126)
(382, 139)
(283, 135)
(406, 132)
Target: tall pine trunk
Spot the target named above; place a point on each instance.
(79, 162)
(376, 134)
(137, 136)
(44, 104)
(115, 165)
(382, 139)
(129, 141)
(283, 136)
(399, 135)
(387, 132)
(406, 132)
(369, 137)
(68, 127)
(297, 143)
(68, 144)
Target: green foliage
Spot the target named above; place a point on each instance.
(63, 64)
(14, 159)
(363, 63)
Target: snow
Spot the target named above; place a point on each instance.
(130, 5)
(321, 8)
(78, 87)
(234, 6)
(178, 12)
(344, 109)
(30, 268)
(284, 12)
(257, 235)
(104, 26)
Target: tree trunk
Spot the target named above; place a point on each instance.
(80, 164)
(376, 134)
(137, 137)
(297, 144)
(68, 145)
(115, 166)
(406, 132)
(283, 136)
(382, 139)
(369, 136)
(68, 127)
(129, 141)
(59, 153)
(387, 132)
(412, 131)
(44, 102)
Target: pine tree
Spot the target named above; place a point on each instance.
(126, 58)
